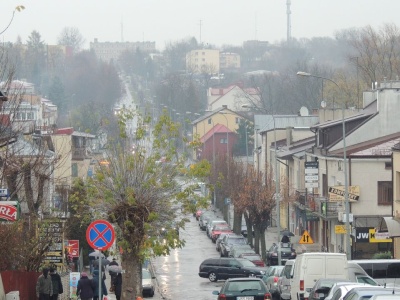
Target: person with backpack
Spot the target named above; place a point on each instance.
(57, 284)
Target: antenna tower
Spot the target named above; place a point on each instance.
(289, 25)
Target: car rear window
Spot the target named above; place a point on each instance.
(236, 241)
(238, 286)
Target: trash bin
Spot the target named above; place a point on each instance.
(14, 295)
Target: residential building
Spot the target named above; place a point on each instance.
(218, 141)
(74, 150)
(392, 224)
(203, 125)
(206, 61)
(229, 61)
(233, 97)
(108, 51)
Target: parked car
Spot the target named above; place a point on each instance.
(218, 229)
(271, 279)
(366, 292)
(229, 267)
(228, 241)
(198, 213)
(322, 287)
(219, 240)
(358, 274)
(147, 283)
(344, 287)
(284, 285)
(205, 216)
(287, 252)
(243, 288)
(210, 225)
(254, 258)
(236, 250)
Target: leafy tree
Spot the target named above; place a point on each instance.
(70, 36)
(140, 195)
(244, 144)
(57, 93)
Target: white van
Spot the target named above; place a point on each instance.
(309, 267)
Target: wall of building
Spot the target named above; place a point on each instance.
(63, 172)
(202, 61)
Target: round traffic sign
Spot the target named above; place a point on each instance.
(100, 235)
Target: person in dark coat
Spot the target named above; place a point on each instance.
(285, 239)
(85, 287)
(95, 280)
(57, 284)
(44, 286)
(111, 273)
(118, 286)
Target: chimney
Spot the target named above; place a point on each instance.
(224, 106)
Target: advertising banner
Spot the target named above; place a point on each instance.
(9, 211)
(336, 193)
(73, 283)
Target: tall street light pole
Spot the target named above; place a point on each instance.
(277, 194)
(346, 187)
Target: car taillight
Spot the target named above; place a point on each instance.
(301, 285)
(267, 296)
(276, 279)
(221, 297)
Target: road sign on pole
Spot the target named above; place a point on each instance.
(306, 238)
(100, 235)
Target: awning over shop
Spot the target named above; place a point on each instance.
(391, 225)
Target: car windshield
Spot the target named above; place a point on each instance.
(146, 274)
(366, 279)
(246, 263)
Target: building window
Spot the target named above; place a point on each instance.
(74, 170)
(209, 121)
(203, 59)
(237, 120)
(385, 193)
(223, 141)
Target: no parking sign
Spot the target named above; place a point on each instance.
(100, 235)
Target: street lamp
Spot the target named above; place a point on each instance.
(277, 195)
(346, 188)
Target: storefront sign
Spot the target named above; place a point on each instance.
(379, 237)
(362, 234)
(336, 193)
(54, 230)
(9, 211)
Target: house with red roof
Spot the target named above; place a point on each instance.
(233, 97)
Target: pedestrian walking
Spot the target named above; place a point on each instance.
(85, 287)
(57, 284)
(117, 283)
(44, 286)
(112, 273)
(103, 291)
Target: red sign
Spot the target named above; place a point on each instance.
(100, 235)
(9, 210)
(73, 248)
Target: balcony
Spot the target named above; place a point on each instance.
(317, 205)
(79, 154)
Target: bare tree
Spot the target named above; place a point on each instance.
(71, 36)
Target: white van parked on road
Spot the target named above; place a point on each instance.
(309, 267)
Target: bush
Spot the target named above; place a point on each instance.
(382, 255)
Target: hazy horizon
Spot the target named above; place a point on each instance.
(221, 21)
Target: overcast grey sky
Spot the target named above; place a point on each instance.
(163, 21)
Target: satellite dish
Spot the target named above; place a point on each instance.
(323, 103)
(304, 111)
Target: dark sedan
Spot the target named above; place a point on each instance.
(224, 268)
(243, 288)
(287, 252)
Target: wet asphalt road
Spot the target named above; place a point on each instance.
(177, 274)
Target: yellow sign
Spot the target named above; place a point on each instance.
(340, 229)
(55, 253)
(306, 238)
(379, 237)
(336, 193)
